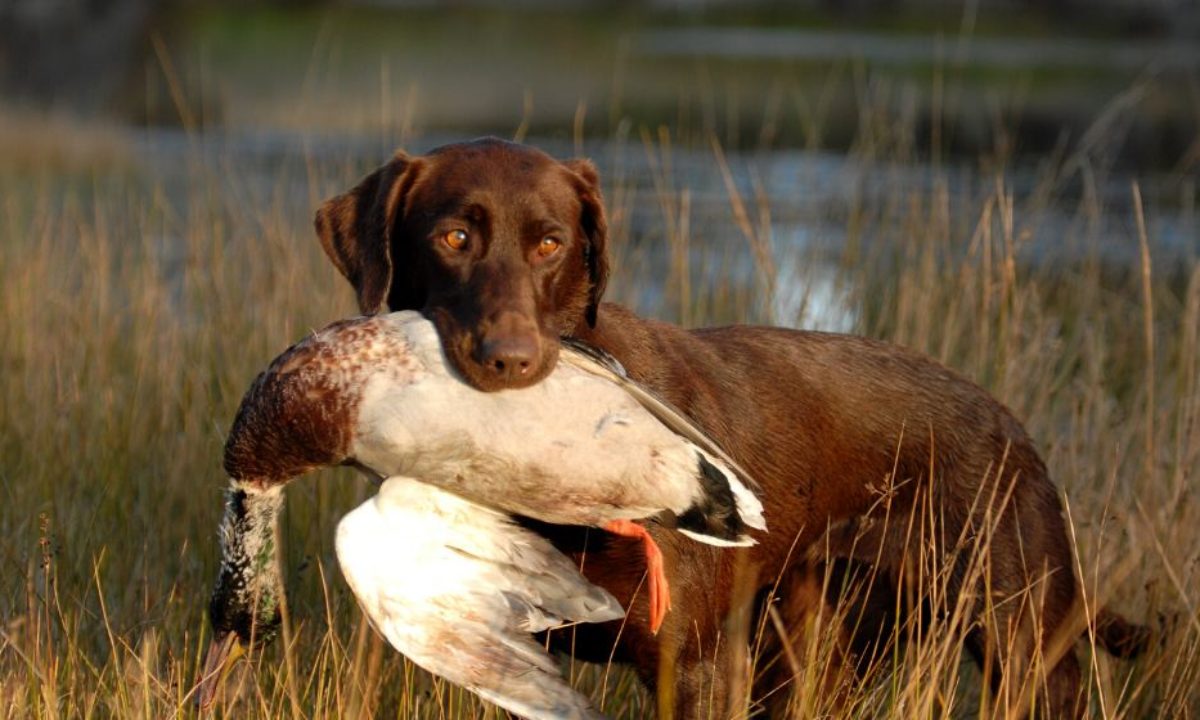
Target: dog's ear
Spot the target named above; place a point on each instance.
(355, 229)
(595, 226)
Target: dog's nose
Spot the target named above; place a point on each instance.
(510, 356)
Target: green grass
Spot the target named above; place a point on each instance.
(131, 323)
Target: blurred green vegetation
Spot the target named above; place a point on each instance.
(483, 69)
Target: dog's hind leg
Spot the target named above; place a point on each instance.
(820, 630)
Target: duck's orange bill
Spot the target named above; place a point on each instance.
(656, 576)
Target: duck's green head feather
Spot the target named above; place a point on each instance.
(246, 600)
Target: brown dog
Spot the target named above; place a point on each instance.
(866, 452)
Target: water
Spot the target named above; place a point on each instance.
(1000, 53)
(810, 199)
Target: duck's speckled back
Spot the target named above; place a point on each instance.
(301, 412)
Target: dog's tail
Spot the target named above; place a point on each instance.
(1120, 637)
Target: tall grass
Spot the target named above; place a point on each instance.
(133, 317)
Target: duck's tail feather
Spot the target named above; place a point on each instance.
(724, 510)
(749, 507)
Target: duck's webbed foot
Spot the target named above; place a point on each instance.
(656, 576)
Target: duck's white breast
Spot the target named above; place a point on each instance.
(574, 448)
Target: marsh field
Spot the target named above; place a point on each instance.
(150, 267)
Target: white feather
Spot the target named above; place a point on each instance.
(457, 588)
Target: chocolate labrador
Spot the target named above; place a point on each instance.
(866, 452)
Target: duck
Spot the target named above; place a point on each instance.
(585, 446)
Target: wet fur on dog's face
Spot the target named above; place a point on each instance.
(500, 245)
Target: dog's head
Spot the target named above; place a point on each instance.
(500, 245)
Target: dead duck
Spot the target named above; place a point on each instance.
(585, 446)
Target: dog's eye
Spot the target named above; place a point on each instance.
(548, 246)
(456, 239)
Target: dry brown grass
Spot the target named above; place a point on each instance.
(130, 324)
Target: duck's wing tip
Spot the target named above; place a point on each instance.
(524, 679)
(585, 603)
(560, 708)
(596, 605)
(591, 604)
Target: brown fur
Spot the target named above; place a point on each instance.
(850, 438)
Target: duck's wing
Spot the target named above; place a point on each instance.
(544, 588)
(469, 639)
(416, 569)
(596, 361)
(485, 540)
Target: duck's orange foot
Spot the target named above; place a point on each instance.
(656, 576)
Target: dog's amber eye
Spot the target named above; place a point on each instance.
(548, 246)
(456, 239)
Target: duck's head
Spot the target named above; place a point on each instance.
(296, 417)
(245, 605)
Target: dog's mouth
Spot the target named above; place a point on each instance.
(499, 361)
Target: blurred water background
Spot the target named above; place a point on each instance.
(817, 108)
